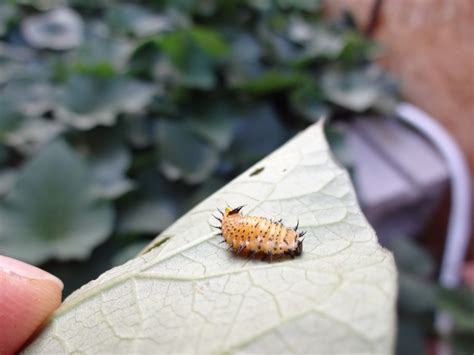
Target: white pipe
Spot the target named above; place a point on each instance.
(459, 225)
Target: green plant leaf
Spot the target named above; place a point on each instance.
(459, 303)
(308, 101)
(130, 251)
(22, 103)
(7, 13)
(462, 343)
(210, 41)
(136, 20)
(357, 47)
(412, 258)
(244, 62)
(147, 216)
(32, 133)
(309, 5)
(102, 54)
(325, 43)
(271, 81)
(57, 29)
(186, 293)
(215, 126)
(257, 133)
(357, 90)
(151, 208)
(194, 53)
(89, 101)
(7, 180)
(416, 295)
(11, 118)
(108, 159)
(183, 154)
(51, 212)
(410, 337)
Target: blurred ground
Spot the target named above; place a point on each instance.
(429, 46)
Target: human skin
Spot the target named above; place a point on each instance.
(28, 295)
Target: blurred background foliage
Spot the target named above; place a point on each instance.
(117, 117)
(420, 298)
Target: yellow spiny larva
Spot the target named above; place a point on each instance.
(251, 235)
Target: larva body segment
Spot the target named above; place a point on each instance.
(251, 235)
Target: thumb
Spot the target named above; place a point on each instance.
(28, 295)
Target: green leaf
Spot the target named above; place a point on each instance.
(410, 337)
(196, 70)
(152, 208)
(75, 273)
(195, 54)
(128, 252)
(207, 188)
(318, 41)
(88, 101)
(183, 154)
(180, 43)
(210, 41)
(411, 258)
(11, 118)
(138, 130)
(416, 294)
(30, 97)
(357, 47)
(59, 29)
(32, 133)
(214, 125)
(109, 160)
(149, 215)
(137, 20)
(271, 81)
(257, 133)
(187, 293)
(7, 180)
(51, 212)
(43, 4)
(460, 305)
(308, 101)
(11, 62)
(7, 14)
(308, 5)
(462, 343)
(356, 90)
(4, 155)
(22, 104)
(244, 62)
(102, 55)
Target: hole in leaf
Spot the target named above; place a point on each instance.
(257, 171)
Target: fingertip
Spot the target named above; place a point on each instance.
(28, 296)
(26, 270)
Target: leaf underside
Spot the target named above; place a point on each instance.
(187, 294)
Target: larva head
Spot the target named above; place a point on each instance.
(299, 248)
(229, 211)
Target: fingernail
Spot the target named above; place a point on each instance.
(20, 268)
